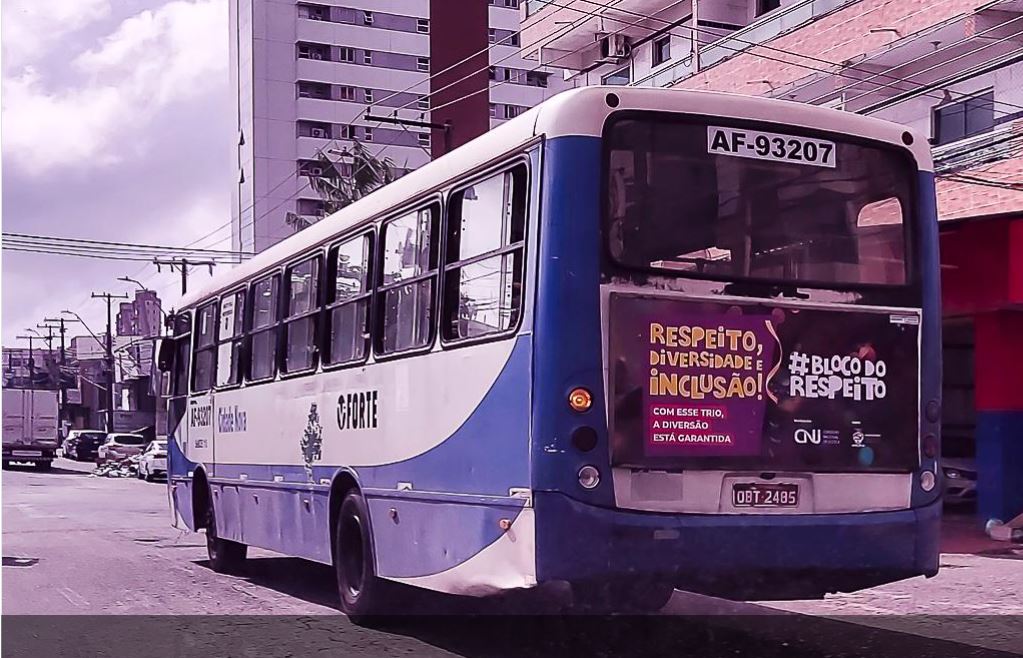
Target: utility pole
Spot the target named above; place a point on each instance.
(182, 264)
(63, 362)
(394, 120)
(31, 361)
(110, 355)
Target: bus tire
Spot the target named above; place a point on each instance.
(364, 597)
(225, 556)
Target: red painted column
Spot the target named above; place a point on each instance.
(998, 382)
(458, 30)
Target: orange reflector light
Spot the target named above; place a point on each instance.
(580, 399)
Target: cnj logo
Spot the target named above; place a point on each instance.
(200, 415)
(804, 436)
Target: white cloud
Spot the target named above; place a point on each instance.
(152, 60)
(31, 26)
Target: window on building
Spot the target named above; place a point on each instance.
(346, 93)
(619, 77)
(263, 334)
(346, 132)
(484, 257)
(423, 103)
(367, 57)
(536, 78)
(514, 40)
(492, 35)
(313, 50)
(368, 95)
(965, 118)
(409, 279)
(313, 129)
(301, 315)
(493, 110)
(492, 72)
(318, 90)
(345, 54)
(512, 111)
(348, 300)
(313, 12)
(204, 358)
(423, 64)
(764, 6)
(367, 18)
(424, 139)
(367, 134)
(230, 339)
(661, 50)
(310, 207)
(423, 25)
(511, 4)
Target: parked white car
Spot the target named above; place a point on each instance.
(120, 446)
(154, 461)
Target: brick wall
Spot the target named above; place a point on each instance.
(835, 37)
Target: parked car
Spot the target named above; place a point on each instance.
(960, 480)
(81, 445)
(119, 446)
(154, 461)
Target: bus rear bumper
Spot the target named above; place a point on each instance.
(760, 557)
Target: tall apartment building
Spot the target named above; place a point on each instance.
(953, 69)
(306, 73)
(141, 316)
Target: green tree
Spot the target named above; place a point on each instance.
(368, 173)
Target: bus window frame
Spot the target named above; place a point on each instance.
(911, 215)
(329, 306)
(240, 337)
(250, 316)
(378, 308)
(212, 347)
(285, 319)
(179, 339)
(509, 165)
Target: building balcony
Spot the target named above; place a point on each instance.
(937, 65)
(567, 34)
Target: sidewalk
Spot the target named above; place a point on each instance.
(978, 594)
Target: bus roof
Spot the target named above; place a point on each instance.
(578, 112)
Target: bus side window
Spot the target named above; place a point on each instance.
(409, 281)
(301, 315)
(230, 338)
(263, 335)
(483, 276)
(179, 381)
(348, 300)
(205, 357)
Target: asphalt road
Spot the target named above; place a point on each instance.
(77, 549)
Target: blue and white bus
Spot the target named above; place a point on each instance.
(632, 340)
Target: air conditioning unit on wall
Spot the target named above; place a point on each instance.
(614, 48)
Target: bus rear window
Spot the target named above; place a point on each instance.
(731, 202)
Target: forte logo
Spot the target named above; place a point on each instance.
(357, 411)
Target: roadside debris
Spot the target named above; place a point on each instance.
(122, 468)
(1011, 531)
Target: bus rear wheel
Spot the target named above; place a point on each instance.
(225, 556)
(365, 598)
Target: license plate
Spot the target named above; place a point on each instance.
(26, 453)
(760, 145)
(755, 494)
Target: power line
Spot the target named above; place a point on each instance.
(26, 239)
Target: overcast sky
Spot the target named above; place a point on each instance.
(116, 125)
